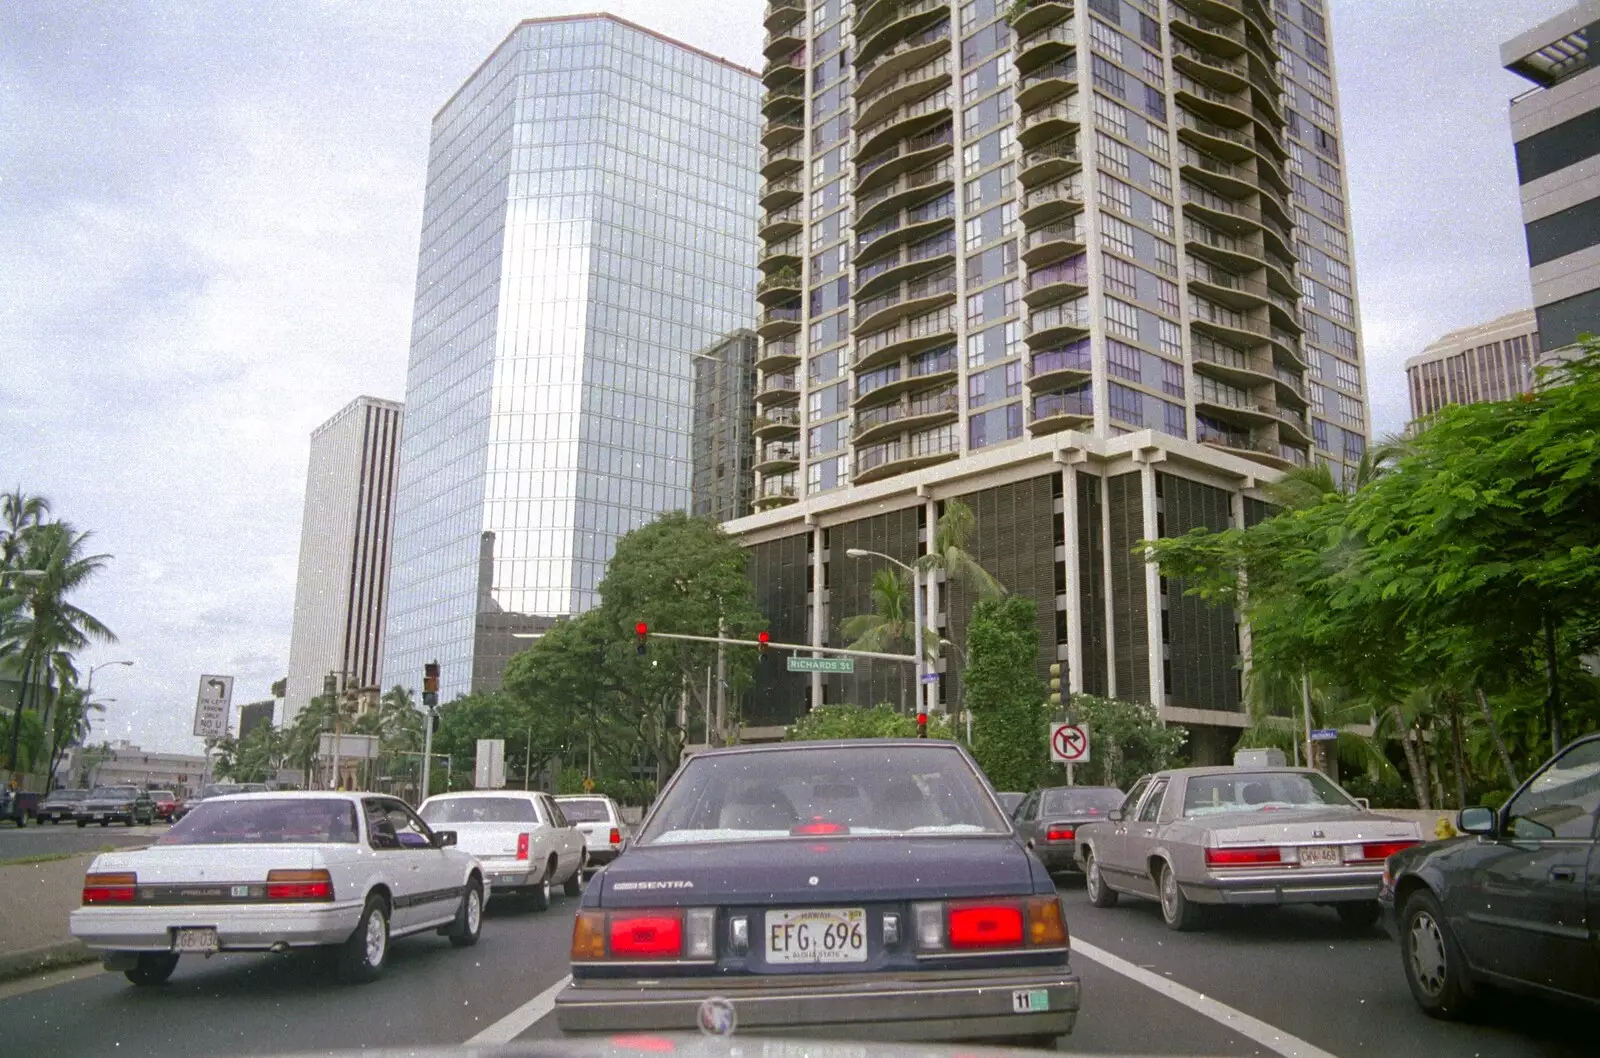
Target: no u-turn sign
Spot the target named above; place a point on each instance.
(1069, 743)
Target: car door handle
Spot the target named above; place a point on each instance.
(1563, 874)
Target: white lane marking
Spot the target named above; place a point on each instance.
(1253, 1028)
(519, 1020)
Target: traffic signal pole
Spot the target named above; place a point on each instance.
(430, 702)
(807, 647)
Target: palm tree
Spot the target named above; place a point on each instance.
(71, 725)
(950, 557)
(1275, 702)
(19, 512)
(891, 627)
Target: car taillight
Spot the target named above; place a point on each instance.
(616, 836)
(1062, 833)
(299, 885)
(1046, 927)
(1375, 851)
(985, 924)
(645, 934)
(656, 933)
(589, 936)
(522, 846)
(1242, 857)
(818, 825)
(108, 888)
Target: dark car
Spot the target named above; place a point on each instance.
(1049, 819)
(60, 805)
(214, 789)
(18, 805)
(866, 889)
(1515, 902)
(116, 804)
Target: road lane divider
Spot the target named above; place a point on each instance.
(521, 1019)
(1269, 1036)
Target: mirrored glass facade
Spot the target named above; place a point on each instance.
(589, 224)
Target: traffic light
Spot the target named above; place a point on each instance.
(330, 686)
(430, 684)
(922, 725)
(1055, 684)
(763, 641)
(640, 632)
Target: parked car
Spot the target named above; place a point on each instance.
(214, 789)
(1049, 820)
(522, 839)
(18, 805)
(599, 820)
(116, 804)
(60, 805)
(1192, 837)
(347, 871)
(835, 889)
(1515, 902)
(165, 801)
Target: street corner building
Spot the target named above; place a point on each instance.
(1085, 267)
(589, 226)
(1491, 361)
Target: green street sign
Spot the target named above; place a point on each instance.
(821, 664)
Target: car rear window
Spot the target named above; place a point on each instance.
(112, 793)
(452, 810)
(1089, 801)
(588, 810)
(831, 791)
(266, 821)
(69, 795)
(1261, 791)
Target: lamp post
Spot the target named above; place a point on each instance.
(916, 610)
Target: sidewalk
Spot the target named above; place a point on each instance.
(35, 902)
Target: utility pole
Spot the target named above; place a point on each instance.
(1305, 701)
(330, 693)
(527, 761)
(722, 682)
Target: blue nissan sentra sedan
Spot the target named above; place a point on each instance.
(860, 890)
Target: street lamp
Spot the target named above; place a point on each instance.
(916, 609)
(88, 691)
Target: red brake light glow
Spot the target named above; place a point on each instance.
(108, 888)
(1256, 857)
(985, 925)
(1382, 850)
(1060, 834)
(522, 846)
(647, 934)
(299, 885)
(818, 825)
(616, 836)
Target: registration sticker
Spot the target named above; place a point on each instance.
(240, 890)
(1030, 1000)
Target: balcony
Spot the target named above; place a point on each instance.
(778, 356)
(1027, 17)
(1230, 326)
(1047, 83)
(1236, 145)
(1231, 109)
(916, 412)
(1050, 161)
(782, 131)
(779, 322)
(1057, 282)
(906, 192)
(1069, 365)
(913, 453)
(906, 338)
(1268, 137)
(910, 299)
(1050, 243)
(783, 160)
(919, 258)
(1241, 368)
(1238, 253)
(1216, 37)
(788, 98)
(910, 86)
(784, 191)
(781, 254)
(1226, 214)
(779, 287)
(1228, 288)
(1216, 10)
(1285, 312)
(776, 457)
(777, 421)
(1291, 385)
(906, 156)
(1289, 345)
(913, 224)
(782, 223)
(1227, 74)
(1059, 119)
(778, 389)
(1053, 202)
(1058, 324)
(1225, 178)
(910, 120)
(1062, 410)
(909, 53)
(784, 69)
(782, 13)
(926, 371)
(911, 25)
(776, 492)
(785, 40)
(1045, 46)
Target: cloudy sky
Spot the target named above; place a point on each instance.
(209, 215)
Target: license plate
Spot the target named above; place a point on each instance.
(195, 940)
(1320, 856)
(817, 935)
(1029, 1000)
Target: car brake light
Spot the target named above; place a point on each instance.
(1381, 850)
(299, 885)
(616, 836)
(1255, 857)
(646, 934)
(522, 846)
(108, 888)
(1062, 833)
(1046, 927)
(818, 825)
(985, 925)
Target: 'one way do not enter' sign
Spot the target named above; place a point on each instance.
(1069, 743)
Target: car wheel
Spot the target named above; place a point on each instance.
(83, 822)
(363, 955)
(153, 968)
(574, 883)
(1176, 910)
(1359, 914)
(1435, 967)
(1094, 883)
(539, 899)
(469, 920)
(128, 822)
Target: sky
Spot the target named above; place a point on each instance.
(209, 218)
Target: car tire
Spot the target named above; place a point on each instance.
(539, 899)
(153, 968)
(1359, 915)
(469, 919)
(573, 886)
(1436, 969)
(1176, 909)
(1094, 883)
(105, 822)
(83, 822)
(363, 956)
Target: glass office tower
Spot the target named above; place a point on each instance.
(589, 224)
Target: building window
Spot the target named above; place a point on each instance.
(1160, 142)
(1108, 78)
(1111, 115)
(1122, 318)
(1167, 296)
(1171, 338)
(1121, 277)
(1118, 234)
(1114, 194)
(1350, 409)
(1127, 404)
(1166, 254)
(1341, 307)
(1113, 154)
(1161, 212)
(1106, 40)
(1123, 360)
(1347, 374)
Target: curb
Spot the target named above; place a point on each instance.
(30, 961)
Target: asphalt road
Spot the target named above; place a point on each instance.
(1289, 982)
(47, 840)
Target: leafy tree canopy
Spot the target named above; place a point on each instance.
(848, 721)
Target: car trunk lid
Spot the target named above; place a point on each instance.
(491, 841)
(170, 864)
(1309, 828)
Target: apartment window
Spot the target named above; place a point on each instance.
(1106, 40)
(997, 343)
(1347, 374)
(1122, 318)
(1338, 273)
(987, 114)
(1126, 404)
(1340, 307)
(1112, 9)
(986, 152)
(1308, 289)
(985, 78)
(1112, 154)
(986, 41)
(989, 188)
(1113, 116)
(1121, 277)
(1155, 102)
(1344, 341)
(1167, 296)
(1171, 338)
(1123, 360)
(1171, 378)
(976, 12)
(1160, 142)
(1166, 253)
(1114, 194)
(992, 264)
(1118, 234)
(1350, 409)
(1150, 32)
(826, 199)
(1335, 238)
(1161, 212)
(1319, 396)
(1108, 78)
(1316, 51)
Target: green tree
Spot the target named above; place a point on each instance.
(827, 722)
(70, 724)
(1126, 740)
(1006, 694)
(891, 628)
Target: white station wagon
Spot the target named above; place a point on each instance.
(274, 871)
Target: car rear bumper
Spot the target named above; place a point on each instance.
(599, 856)
(102, 816)
(971, 1006)
(1057, 856)
(506, 881)
(254, 928)
(1260, 887)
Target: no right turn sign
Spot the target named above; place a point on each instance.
(1069, 743)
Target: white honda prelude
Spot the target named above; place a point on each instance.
(274, 871)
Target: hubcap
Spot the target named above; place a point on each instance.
(546, 888)
(1169, 893)
(1427, 953)
(1094, 879)
(474, 910)
(377, 937)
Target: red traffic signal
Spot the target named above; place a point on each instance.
(640, 631)
(922, 725)
(763, 641)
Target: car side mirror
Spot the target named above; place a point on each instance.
(1116, 815)
(1477, 821)
(444, 838)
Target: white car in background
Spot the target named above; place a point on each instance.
(274, 871)
(600, 821)
(521, 837)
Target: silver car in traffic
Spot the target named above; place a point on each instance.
(1191, 837)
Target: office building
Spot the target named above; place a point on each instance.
(342, 587)
(1556, 128)
(1492, 361)
(124, 763)
(1085, 265)
(255, 714)
(724, 391)
(588, 225)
